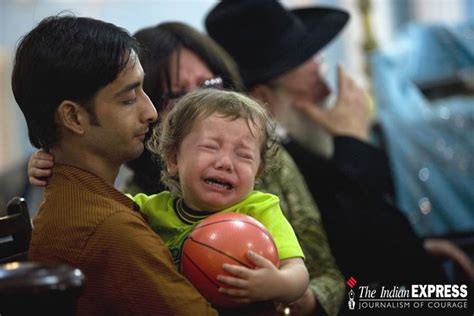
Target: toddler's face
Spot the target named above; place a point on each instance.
(217, 162)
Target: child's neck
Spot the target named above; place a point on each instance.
(189, 215)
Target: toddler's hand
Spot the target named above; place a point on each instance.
(252, 285)
(39, 168)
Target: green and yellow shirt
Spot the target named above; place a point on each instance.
(173, 222)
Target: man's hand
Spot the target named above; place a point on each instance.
(350, 116)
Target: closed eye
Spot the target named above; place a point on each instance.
(210, 146)
(129, 101)
(245, 155)
(130, 97)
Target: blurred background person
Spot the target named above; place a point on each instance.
(351, 182)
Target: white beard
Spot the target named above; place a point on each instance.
(308, 134)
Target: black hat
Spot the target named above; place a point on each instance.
(267, 40)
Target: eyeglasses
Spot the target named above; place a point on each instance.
(215, 83)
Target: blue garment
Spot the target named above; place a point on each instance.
(430, 142)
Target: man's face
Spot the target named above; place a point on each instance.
(304, 83)
(123, 112)
(217, 162)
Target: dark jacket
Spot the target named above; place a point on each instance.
(370, 238)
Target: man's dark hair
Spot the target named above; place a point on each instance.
(66, 58)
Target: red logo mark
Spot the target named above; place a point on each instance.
(351, 282)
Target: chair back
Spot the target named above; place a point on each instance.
(15, 231)
(28, 288)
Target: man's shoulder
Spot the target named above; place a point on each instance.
(76, 217)
(73, 208)
(74, 198)
(78, 191)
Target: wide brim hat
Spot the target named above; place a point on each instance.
(266, 40)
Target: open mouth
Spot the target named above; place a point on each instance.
(219, 183)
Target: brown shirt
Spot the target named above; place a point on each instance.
(86, 223)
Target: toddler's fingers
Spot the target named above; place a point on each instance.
(239, 271)
(229, 280)
(37, 182)
(237, 293)
(42, 155)
(44, 164)
(39, 173)
(259, 260)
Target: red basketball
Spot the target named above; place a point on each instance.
(223, 238)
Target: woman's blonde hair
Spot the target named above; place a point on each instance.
(200, 104)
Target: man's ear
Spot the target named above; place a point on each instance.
(172, 163)
(264, 95)
(72, 117)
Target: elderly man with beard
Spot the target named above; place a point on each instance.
(349, 178)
